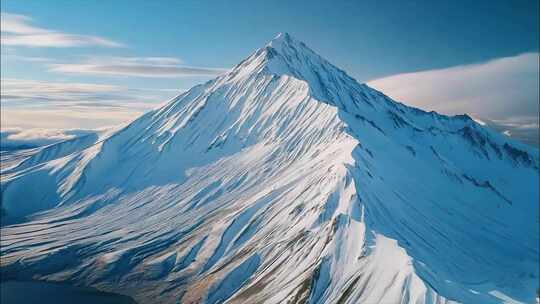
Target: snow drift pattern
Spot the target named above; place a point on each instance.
(282, 181)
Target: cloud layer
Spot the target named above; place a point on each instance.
(32, 92)
(525, 129)
(17, 138)
(503, 91)
(17, 31)
(59, 91)
(44, 104)
(162, 67)
(498, 89)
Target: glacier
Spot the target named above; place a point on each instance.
(284, 180)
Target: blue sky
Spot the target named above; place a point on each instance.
(86, 64)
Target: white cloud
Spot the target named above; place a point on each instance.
(523, 123)
(154, 67)
(503, 92)
(134, 60)
(16, 138)
(163, 67)
(43, 104)
(16, 30)
(19, 24)
(18, 134)
(67, 117)
(526, 129)
(23, 88)
(32, 92)
(497, 89)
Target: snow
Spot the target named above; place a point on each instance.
(282, 180)
(234, 280)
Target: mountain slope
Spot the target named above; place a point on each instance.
(282, 181)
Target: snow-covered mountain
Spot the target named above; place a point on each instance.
(281, 181)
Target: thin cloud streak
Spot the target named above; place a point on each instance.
(66, 117)
(9, 57)
(36, 113)
(17, 30)
(134, 60)
(16, 90)
(155, 67)
(42, 104)
(32, 92)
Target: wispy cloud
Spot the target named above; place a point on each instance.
(504, 91)
(526, 129)
(6, 56)
(43, 104)
(498, 89)
(19, 138)
(154, 67)
(159, 67)
(66, 117)
(17, 30)
(22, 90)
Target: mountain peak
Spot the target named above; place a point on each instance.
(292, 49)
(283, 36)
(285, 55)
(284, 40)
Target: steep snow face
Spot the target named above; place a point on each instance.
(282, 181)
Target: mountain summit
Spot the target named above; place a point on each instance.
(281, 181)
